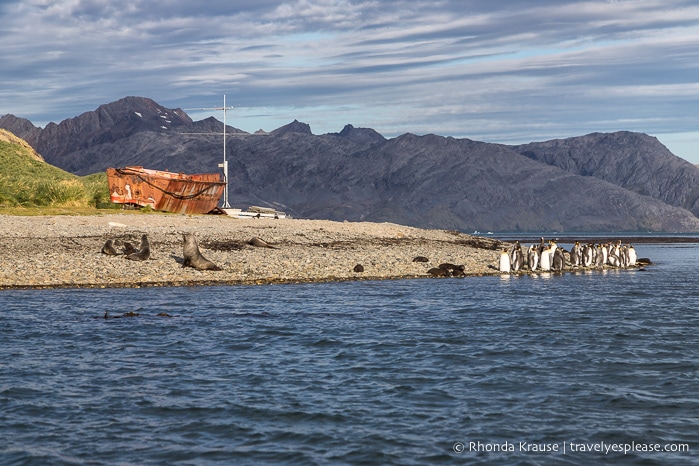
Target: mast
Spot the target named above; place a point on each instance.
(224, 165)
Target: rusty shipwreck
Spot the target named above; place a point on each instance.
(162, 190)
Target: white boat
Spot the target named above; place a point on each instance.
(255, 212)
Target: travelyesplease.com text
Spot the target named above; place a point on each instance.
(570, 447)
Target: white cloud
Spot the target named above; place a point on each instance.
(506, 71)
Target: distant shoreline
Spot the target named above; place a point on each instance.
(600, 239)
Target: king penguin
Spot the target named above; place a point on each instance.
(632, 256)
(505, 261)
(613, 256)
(545, 260)
(587, 255)
(605, 254)
(516, 258)
(558, 260)
(533, 257)
(601, 256)
(576, 255)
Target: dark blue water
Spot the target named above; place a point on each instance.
(434, 371)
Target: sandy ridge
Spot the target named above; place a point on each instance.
(64, 251)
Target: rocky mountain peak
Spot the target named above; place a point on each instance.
(362, 136)
(293, 127)
(108, 123)
(21, 127)
(140, 113)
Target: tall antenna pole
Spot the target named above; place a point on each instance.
(225, 161)
(223, 165)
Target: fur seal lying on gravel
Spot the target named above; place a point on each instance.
(109, 248)
(447, 270)
(129, 249)
(143, 252)
(257, 242)
(453, 270)
(192, 255)
(437, 272)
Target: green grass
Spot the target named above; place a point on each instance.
(27, 183)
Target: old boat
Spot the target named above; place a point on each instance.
(162, 190)
(255, 212)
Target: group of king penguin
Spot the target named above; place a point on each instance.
(551, 257)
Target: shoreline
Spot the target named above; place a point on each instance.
(598, 238)
(64, 251)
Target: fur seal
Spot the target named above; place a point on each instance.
(143, 252)
(109, 249)
(452, 269)
(192, 255)
(421, 259)
(358, 268)
(437, 272)
(129, 249)
(257, 242)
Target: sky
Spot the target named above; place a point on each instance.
(504, 71)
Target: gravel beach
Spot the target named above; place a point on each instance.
(65, 251)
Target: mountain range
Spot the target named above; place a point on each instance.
(620, 181)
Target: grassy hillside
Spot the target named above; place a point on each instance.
(27, 181)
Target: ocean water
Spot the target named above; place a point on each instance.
(580, 368)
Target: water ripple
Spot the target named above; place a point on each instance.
(355, 373)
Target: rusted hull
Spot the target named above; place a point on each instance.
(171, 192)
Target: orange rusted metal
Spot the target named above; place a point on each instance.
(171, 192)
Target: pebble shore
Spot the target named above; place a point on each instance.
(65, 251)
